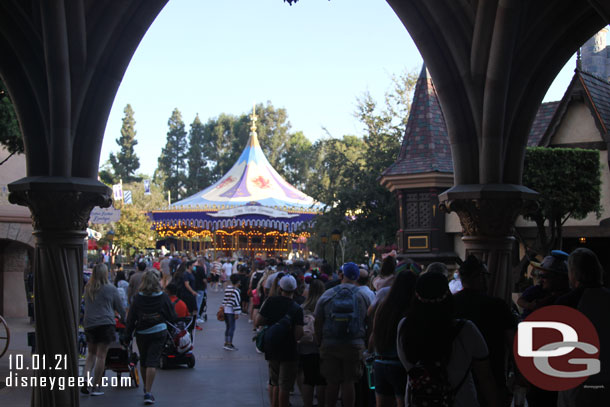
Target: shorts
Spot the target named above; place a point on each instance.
(283, 373)
(214, 278)
(150, 347)
(190, 301)
(341, 363)
(390, 379)
(310, 364)
(101, 334)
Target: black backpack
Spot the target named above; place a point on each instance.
(279, 334)
(428, 382)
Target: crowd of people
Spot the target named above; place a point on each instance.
(388, 334)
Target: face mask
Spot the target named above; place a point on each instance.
(456, 276)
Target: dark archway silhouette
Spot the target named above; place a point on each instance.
(63, 60)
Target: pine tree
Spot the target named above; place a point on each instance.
(172, 163)
(10, 134)
(199, 171)
(125, 163)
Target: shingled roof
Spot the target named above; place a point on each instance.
(590, 89)
(599, 92)
(425, 146)
(541, 122)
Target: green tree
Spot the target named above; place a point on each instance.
(10, 134)
(125, 163)
(296, 159)
(172, 165)
(198, 169)
(346, 171)
(133, 230)
(569, 183)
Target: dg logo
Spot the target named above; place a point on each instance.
(557, 348)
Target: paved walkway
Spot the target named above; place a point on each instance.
(220, 377)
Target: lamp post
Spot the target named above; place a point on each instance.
(335, 236)
(324, 240)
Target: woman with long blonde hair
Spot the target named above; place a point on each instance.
(102, 301)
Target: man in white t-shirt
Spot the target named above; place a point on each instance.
(227, 270)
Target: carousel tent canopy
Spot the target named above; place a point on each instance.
(250, 194)
(251, 180)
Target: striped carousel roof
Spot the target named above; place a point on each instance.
(251, 180)
(251, 194)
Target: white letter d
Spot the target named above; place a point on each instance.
(525, 338)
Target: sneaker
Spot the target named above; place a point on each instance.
(227, 347)
(231, 347)
(149, 398)
(84, 390)
(199, 321)
(249, 321)
(198, 328)
(97, 392)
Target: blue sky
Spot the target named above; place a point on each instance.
(217, 56)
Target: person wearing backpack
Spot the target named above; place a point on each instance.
(149, 311)
(340, 328)
(309, 350)
(439, 351)
(284, 319)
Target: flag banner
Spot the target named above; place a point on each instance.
(127, 198)
(146, 187)
(117, 191)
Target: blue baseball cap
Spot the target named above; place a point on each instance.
(351, 271)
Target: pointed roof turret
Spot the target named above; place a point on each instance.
(425, 146)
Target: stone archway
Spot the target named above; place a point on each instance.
(62, 62)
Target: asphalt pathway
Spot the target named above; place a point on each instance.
(220, 377)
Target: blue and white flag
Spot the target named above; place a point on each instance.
(146, 187)
(117, 190)
(127, 198)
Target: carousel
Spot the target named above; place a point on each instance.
(251, 211)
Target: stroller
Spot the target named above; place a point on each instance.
(178, 349)
(122, 359)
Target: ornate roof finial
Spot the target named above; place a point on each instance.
(578, 60)
(254, 119)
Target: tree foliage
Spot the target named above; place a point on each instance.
(199, 171)
(346, 171)
(125, 163)
(172, 164)
(10, 134)
(134, 231)
(569, 183)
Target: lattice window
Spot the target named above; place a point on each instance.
(418, 210)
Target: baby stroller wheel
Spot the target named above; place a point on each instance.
(191, 362)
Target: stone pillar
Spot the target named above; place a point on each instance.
(60, 208)
(488, 214)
